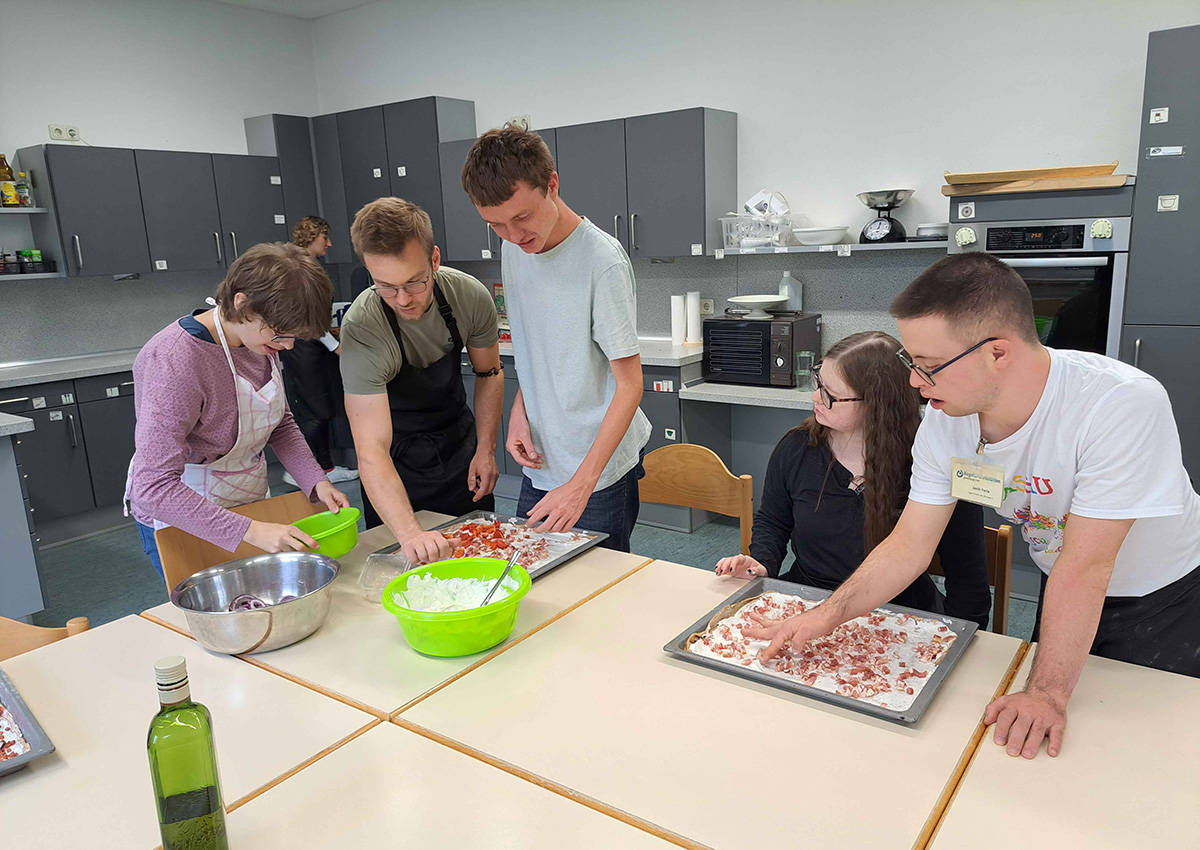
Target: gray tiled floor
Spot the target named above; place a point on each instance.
(107, 576)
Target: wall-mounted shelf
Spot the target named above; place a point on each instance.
(22, 210)
(832, 249)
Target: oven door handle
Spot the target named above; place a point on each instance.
(1054, 262)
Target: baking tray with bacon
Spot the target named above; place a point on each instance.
(879, 668)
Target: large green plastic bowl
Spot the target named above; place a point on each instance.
(450, 634)
(336, 533)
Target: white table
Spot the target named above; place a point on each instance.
(392, 788)
(593, 704)
(95, 695)
(360, 656)
(1128, 774)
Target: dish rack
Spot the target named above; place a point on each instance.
(756, 231)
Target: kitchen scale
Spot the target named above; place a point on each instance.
(884, 228)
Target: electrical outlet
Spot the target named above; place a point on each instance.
(706, 307)
(64, 133)
(966, 210)
(522, 121)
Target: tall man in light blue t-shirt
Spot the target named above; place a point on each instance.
(575, 425)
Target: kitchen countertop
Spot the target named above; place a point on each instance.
(65, 368)
(753, 396)
(655, 352)
(10, 425)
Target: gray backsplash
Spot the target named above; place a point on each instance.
(66, 316)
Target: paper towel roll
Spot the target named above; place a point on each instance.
(678, 319)
(695, 330)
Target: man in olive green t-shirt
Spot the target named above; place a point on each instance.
(419, 446)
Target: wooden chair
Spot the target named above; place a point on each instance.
(183, 554)
(998, 543)
(694, 477)
(17, 637)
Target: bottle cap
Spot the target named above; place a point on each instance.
(171, 675)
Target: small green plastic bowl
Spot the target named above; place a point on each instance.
(449, 634)
(337, 533)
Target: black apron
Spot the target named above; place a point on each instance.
(433, 430)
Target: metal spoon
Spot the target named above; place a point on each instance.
(511, 561)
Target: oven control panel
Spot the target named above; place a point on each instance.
(1054, 237)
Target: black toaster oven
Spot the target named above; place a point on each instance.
(738, 350)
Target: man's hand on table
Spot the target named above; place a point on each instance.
(1024, 718)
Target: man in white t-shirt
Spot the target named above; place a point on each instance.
(575, 426)
(1079, 450)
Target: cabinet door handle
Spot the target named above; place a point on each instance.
(74, 436)
(217, 239)
(78, 251)
(616, 233)
(633, 231)
(1137, 351)
(127, 383)
(233, 236)
(14, 400)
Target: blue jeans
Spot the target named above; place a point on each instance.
(150, 546)
(613, 510)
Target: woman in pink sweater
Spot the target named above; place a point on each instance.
(209, 398)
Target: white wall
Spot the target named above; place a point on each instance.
(833, 98)
(167, 74)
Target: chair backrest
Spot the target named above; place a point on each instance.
(694, 477)
(17, 637)
(998, 542)
(183, 554)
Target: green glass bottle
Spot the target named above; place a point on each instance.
(183, 765)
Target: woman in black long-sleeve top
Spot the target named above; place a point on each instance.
(836, 484)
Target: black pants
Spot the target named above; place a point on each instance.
(613, 510)
(456, 505)
(1159, 630)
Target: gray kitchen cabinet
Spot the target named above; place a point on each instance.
(681, 177)
(179, 197)
(1164, 253)
(469, 384)
(20, 577)
(591, 166)
(96, 224)
(550, 137)
(1168, 353)
(107, 419)
(288, 138)
(467, 236)
(250, 200)
(327, 152)
(508, 465)
(364, 157)
(662, 409)
(54, 457)
(413, 129)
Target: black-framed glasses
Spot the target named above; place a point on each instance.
(926, 375)
(386, 290)
(828, 398)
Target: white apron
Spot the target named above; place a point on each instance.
(240, 476)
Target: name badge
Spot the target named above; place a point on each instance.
(972, 480)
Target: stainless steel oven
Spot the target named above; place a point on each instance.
(1075, 269)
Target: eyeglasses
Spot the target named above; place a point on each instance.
(826, 398)
(926, 375)
(385, 290)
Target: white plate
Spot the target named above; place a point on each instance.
(819, 235)
(758, 304)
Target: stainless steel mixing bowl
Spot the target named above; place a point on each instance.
(205, 597)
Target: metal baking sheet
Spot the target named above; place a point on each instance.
(34, 734)
(594, 538)
(964, 629)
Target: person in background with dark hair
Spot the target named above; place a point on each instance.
(311, 373)
(209, 399)
(576, 425)
(836, 485)
(1080, 450)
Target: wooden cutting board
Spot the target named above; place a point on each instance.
(1053, 185)
(964, 177)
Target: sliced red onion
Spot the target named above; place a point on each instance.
(246, 602)
(283, 599)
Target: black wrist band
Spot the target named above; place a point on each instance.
(495, 370)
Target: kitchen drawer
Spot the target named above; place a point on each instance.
(18, 400)
(99, 387)
(667, 377)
